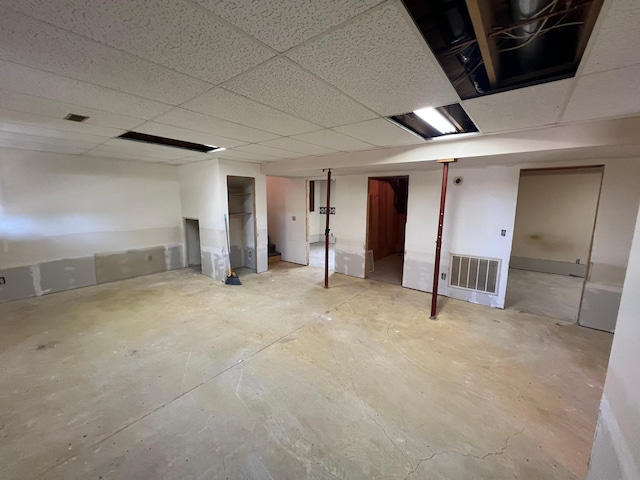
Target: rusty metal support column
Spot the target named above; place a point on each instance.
(436, 266)
(326, 232)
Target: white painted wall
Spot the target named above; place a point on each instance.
(476, 213)
(616, 449)
(203, 189)
(287, 205)
(349, 224)
(56, 206)
(555, 214)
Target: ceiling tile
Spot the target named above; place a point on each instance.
(379, 132)
(518, 109)
(286, 86)
(26, 80)
(605, 94)
(178, 133)
(43, 144)
(282, 24)
(275, 153)
(22, 118)
(617, 42)
(215, 126)
(380, 60)
(173, 33)
(334, 140)
(298, 146)
(230, 106)
(246, 156)
(33, 43)
(50, 133)
(118, 145)
(121, 155)
(55, 109)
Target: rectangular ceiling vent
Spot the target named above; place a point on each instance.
(168, 142)
(474, 273)
(74, 117)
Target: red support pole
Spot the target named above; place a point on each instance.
(326, 232)
(436, 269)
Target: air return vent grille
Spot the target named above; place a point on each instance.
(473, 273)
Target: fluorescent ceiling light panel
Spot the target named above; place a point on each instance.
(215, 149)
(436, 120)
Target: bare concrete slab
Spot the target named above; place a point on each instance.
(176, 375)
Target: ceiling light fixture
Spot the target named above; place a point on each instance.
(436, 120)
(215, 149)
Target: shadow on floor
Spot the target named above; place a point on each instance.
(388, 270)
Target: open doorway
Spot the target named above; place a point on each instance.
(386, 221)
(316, 222)
(552, 240)
(242, 222)
(192, 232)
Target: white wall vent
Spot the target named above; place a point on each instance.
(474, 273)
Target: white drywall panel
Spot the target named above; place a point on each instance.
(350, 224)
(56, 206)
(476, 212)
(287, 217)
(616, 449)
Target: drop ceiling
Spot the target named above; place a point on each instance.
(270, 81)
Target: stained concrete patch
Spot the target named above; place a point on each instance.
(18, 284)
(67, 274)
(132, 263)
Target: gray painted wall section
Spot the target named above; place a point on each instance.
(70, 273)
(600, 305)
(549, 266)
(19, 283)
(67, 274)
(132, 263)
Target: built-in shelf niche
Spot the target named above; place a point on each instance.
(242, 228)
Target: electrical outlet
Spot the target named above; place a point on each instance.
(443, 276)
(503, 233)
(2, 281)
(577, 261)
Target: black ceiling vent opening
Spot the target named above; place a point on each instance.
(167, 142)
(74, 117)
(436, 122)
(489, 46)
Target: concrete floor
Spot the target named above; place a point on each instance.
(388, 270)
(316, 255)
(544, 294)
(177, 376)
